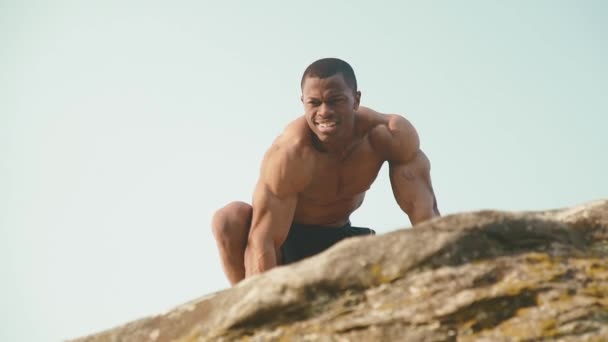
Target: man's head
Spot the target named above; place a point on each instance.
(327, 67)
(330, 98)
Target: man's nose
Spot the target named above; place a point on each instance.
(324, 110)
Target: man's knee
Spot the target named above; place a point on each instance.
(231, 219)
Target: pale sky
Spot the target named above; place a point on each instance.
(125, 124)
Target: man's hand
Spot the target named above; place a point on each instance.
(270, 225)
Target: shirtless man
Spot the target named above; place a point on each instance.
(316, 174)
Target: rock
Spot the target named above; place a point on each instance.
(481, 276)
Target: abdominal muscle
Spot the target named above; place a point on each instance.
(333, 214)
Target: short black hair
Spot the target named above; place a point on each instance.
(327, 67)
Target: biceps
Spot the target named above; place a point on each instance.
(272, 217)
(411, 181)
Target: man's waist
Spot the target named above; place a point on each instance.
(321, 224)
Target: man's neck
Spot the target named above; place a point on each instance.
(340, 149)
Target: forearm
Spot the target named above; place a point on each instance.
(423, 210)
(259, 257)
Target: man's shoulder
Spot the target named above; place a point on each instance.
(296, 134)
(294, 141)
(376, 120)
(389, 132)
(287, 163)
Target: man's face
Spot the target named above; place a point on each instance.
(329, 105)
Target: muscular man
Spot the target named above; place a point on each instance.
(316, 174)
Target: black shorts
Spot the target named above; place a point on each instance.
(306, 240)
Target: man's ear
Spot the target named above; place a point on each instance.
(357, 99)
(302, 98)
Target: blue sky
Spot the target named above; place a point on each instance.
(125, 124)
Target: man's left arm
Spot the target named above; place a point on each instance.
(410, 172)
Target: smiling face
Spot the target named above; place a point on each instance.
(330, 105)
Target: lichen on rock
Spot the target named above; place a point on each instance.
(479, 276)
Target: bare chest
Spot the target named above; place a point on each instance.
(341, 180)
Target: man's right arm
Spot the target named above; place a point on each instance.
(284, 174)
(272, 216)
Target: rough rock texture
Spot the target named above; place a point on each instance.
(483, 276)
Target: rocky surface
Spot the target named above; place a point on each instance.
(482, 276)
